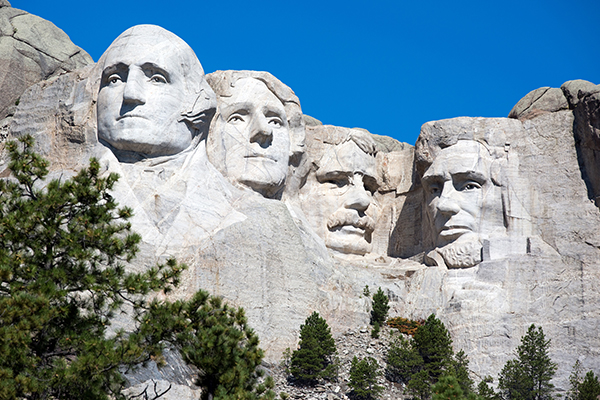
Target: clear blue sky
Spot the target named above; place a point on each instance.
(386, 66)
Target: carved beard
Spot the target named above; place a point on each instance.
(461, 255)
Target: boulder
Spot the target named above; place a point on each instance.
(31, 50)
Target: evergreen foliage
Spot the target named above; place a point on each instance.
(583, 388)
(460, 369)
(380, 308)
(422, 360)
(434, 344)
(485, 391)
(419, 385)
(363, 378)
(216, 339)
(402, 360)
(589, 389)
(314, 358)
(62, 255)
(574, 381)
(447, 388)
(528, 376)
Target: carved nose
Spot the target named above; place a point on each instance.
(446, 203)
(134, 91)
(357, 197)
(261, 132)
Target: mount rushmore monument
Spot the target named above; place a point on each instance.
(490, 223)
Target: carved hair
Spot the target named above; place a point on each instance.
(222, 82)
(201, 102)
(439, 135)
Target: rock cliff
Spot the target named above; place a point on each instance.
(490, 223)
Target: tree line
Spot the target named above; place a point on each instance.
(64, 246)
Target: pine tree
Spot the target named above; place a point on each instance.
(485, 391)
(402, 360)
(589, 389)
(363, 378)
(460, 369)
(528, 376)
(314, 358)
(379, 311)
(419, 385)
(447, 388)
(62, 255)
(575, 380)
(434, 344)
(217, 340)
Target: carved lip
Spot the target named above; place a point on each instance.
(454, 230)
(259, 155)
(349, 229)
(120, 117)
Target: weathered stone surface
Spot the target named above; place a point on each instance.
(541, 100)
(584, 99)
(541, 265)
(258, 132)
(31, 49)
(4, 3)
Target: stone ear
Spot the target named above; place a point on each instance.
(202, 109)
(497, 172)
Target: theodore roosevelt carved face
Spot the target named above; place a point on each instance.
(462, 202)
(151, 83)
(337, 198)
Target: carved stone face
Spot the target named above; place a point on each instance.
(463, 204)
(338, 198)
(142, 95)
(251, 141)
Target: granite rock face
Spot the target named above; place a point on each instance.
(31, 50)
(488, 222)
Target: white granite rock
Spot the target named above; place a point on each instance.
(532, 239)
(31, 50)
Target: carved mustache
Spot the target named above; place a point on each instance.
(350, 217)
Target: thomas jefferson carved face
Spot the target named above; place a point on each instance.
(338, 198)
(463, 204)
(251, 139)
(145, 83)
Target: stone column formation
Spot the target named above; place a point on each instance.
(491, 223)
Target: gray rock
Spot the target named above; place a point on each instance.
(541, 100)
(311, 121)
(574, 90)
(4, 3)
(31, 50)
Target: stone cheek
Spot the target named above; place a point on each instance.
(533, 234)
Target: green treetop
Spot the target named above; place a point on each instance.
(528, 376)
(62, 255)
(314, 358)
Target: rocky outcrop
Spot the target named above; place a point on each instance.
(31, 50)
(509, 195)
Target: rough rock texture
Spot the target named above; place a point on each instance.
(584, 99)
(31, 49)
(263, 254)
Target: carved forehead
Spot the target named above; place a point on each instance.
(151, 43)
(253, 93)
(464, 157)
(346, 158)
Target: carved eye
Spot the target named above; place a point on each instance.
(338, 182)
(471, 186)
(158, 78)
(276, 122)
(235, 119)
(114, 78)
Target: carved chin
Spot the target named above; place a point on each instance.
(348, 244)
